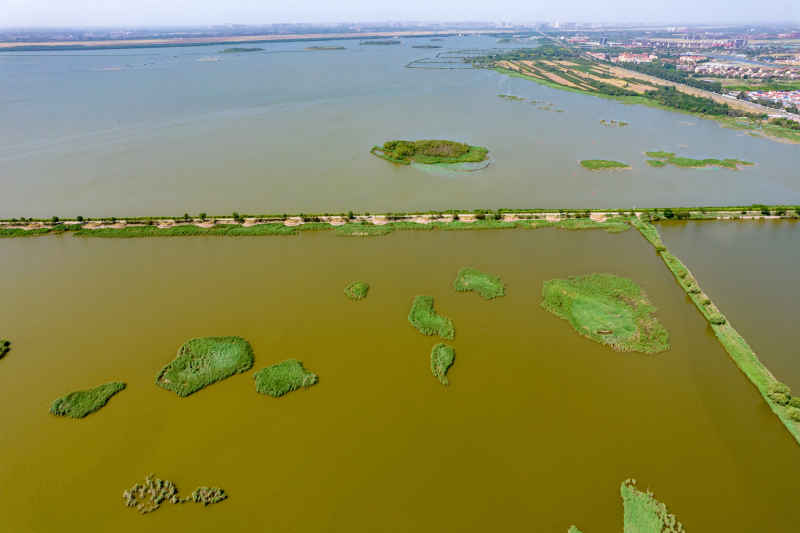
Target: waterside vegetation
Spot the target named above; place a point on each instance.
(423, 317)
(604, 164)
(239, 50)
(5, 347)
(203, 361)
(82, 403)
(661, 159)
(607, 309)
(283, 378)
(430, 152)
(487, 285)
(644, 514)
(442, 358)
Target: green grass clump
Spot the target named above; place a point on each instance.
(607, 309)
(488, 286)
(442, 357)
(430, 152)
(5, 346)
(203, 361)
(644, 514)
(423, 317)
(85, 402)
(657, 163)
(357, 290)
(603, 164)
(283, 378)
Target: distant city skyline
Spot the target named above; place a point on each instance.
(87, 13)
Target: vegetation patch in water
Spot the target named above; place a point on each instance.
(603, 164)
(203, 361)
(85, 402)
(325, 48)
(442, 357)
(669, 158)
(657, 163)
(283, 378)
(236, 50)
(607, 309)
(644, 514)
(430, 152)
(423, 317)
(148, 496)
(471, 279)
(357, 290)
(5, 347)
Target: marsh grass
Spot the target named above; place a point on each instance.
(357, 290)
(607, 309)
(423, 317)
(603, 164)
(644, 514)
(471, 279)
(203, 361)
(442, 358)
(82, 403)
(283, 378)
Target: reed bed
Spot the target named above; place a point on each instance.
(203, 361)
(608, 309)
(442, 358)
(471, 279)
(283, 378)
(85, 402)
(423, 317)
(356, 290)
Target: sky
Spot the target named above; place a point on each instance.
(34, 13)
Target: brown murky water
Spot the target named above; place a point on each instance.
(536, 431)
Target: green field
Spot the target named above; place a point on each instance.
(356, 290)
(603, 164)
(85, 402)
(283, 378)
(442, 357)
(423, 317)
(430, 152)
(203, 361)
(607, 309)
(471, 279)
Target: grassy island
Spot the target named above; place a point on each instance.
(283, 378)
(488, 286)
(85, 402)
(5, 346)
(240, 50)
(317, 48)
(203, 361)
(604, 164)
(148, 496)
(423, 317)
(357, 290)
(430, 152)
(442, 357)
(607, 309)
(644, 514)
(661, 159)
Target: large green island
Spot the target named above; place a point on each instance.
(430, 152)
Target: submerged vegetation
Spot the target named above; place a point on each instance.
(607, 309)
(203, 361)
(82, 403)
(644, 514)
(430, 152)
(283, 378)
(664, 158)
(148, 496)
(603, 164)
(442, 357)
(5, 346)
(357, 290)
(423, 317)
(488, 286)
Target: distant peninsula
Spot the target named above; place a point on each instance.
(430, 152)
(240, 50)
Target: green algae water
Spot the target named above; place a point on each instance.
(166, 131)
(539, 426)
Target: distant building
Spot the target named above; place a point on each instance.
(634, 58)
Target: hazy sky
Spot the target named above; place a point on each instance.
(198, 12)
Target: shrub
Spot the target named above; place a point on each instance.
(780, 393)
(5, 346)
(794, 413)
(795, 402)
(716, 319)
